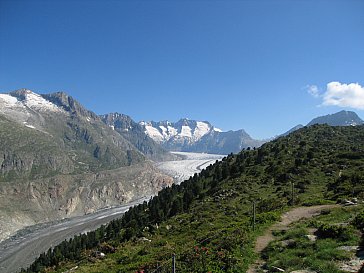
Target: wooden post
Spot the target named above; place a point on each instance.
(174, 263)
(254, 215)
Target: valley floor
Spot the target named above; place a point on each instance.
(22, 249)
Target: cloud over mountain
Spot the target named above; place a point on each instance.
(344, 95)
(339, 94)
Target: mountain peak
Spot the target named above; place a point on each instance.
(21, 92)
(342, 118)
(69, 104)
(30, 99)
(197, 136)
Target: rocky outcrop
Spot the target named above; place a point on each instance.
(134, 133)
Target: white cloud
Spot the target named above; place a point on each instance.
(313, 90)
(344, 95)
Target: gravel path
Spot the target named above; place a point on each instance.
(287, 219)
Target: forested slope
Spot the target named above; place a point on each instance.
(207, 220)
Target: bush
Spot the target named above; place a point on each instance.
(267, 217)
(358, 221)
(334, 231)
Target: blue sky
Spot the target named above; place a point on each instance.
(237, 64)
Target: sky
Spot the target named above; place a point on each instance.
(261, 65)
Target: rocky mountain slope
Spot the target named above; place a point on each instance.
(134, 133)
(58, 121)
(342, 118)
(54, 154)
(197, 136)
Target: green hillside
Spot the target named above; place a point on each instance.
(207, 220)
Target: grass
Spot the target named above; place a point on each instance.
(215, 233)
(217, 236)
(293, 250)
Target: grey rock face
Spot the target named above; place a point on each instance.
(342, 118)
(134, 133)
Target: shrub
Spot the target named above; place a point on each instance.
(358, 221)
(334, 231)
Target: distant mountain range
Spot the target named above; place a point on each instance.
(200, 136)
(59, 159)
(197, 136)
(135, 134)
(342, 118)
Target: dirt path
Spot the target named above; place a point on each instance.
(287, 219)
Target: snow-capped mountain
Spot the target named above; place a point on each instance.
(27, 108)
(184, 129)
(197, 136)
(134, 133)
(56, 120)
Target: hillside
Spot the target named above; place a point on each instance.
(207, 220)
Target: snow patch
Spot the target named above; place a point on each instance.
(186, 131)
(31, 100)
(36, 101)
(29, 126)
(164, 131)
(201, 129)
(172, 131)
(217, 130)
(153, 133)
(8, 100)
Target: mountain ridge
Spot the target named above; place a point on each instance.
(198, 136)
(58, 159)
(134, 133)
(341, 118)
